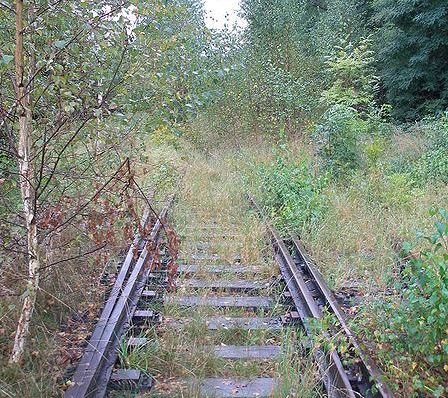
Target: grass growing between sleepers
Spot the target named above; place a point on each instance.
(213, 216)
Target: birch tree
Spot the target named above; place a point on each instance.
(64, 81)
(26, 187)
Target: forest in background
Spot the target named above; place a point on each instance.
(334, 111)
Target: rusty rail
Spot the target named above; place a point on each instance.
(311, 296)
(95, 367)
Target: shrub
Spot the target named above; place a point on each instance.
(162, 166)
(354, 82)
(337, 136)
(388, 191)
(166, 135)
(375, 150)
(291, 191)
(397, 190)
(433, 164)
(411, 333)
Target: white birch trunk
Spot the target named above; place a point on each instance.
(27, 192)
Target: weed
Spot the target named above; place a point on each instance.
(338, 135)
(297, 379)
(410, 329)
(291, 191)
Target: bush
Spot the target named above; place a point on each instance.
(291, 191)
(375, 150)
(433, 164)
(337, 136)
(397, 190)
(162, 167)
(411, 333)
(388, 191)
(166, 135)
(354, 81)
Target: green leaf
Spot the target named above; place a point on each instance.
(60, 43)
(443, 213)
(441, 228)
(407, 247)
(6, 59)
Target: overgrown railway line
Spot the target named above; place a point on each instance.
(95, 372)
(236, 300)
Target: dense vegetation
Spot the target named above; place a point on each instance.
(100, 100)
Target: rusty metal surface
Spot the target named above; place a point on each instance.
(123, 274)
(307, 294)
(370, 371)
(95, 367)
(336, 381)
(310, 295)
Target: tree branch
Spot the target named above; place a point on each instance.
(75, 257)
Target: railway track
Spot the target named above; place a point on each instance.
(96, 372)
(312, 298)
(230, 297)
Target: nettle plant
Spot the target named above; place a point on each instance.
(415, 328)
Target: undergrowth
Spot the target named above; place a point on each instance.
(355, 203)
(291, 190)
(410, 328)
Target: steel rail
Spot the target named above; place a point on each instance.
(128, 263)
(371, 374)
(335, 378)
(95, 367)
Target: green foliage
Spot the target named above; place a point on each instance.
(327, 335)
(292, 191)
(171, 71)
(280, 94)
(413, 52)
(391, 191)
(352, 114)
(433, 164)
(166, 135)
(425, 153)
(411, 332)
(79, 52)
(164, 166)
(354, 82)
(337, 135)
(286, 44)
(396, 190)
(375, 150)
